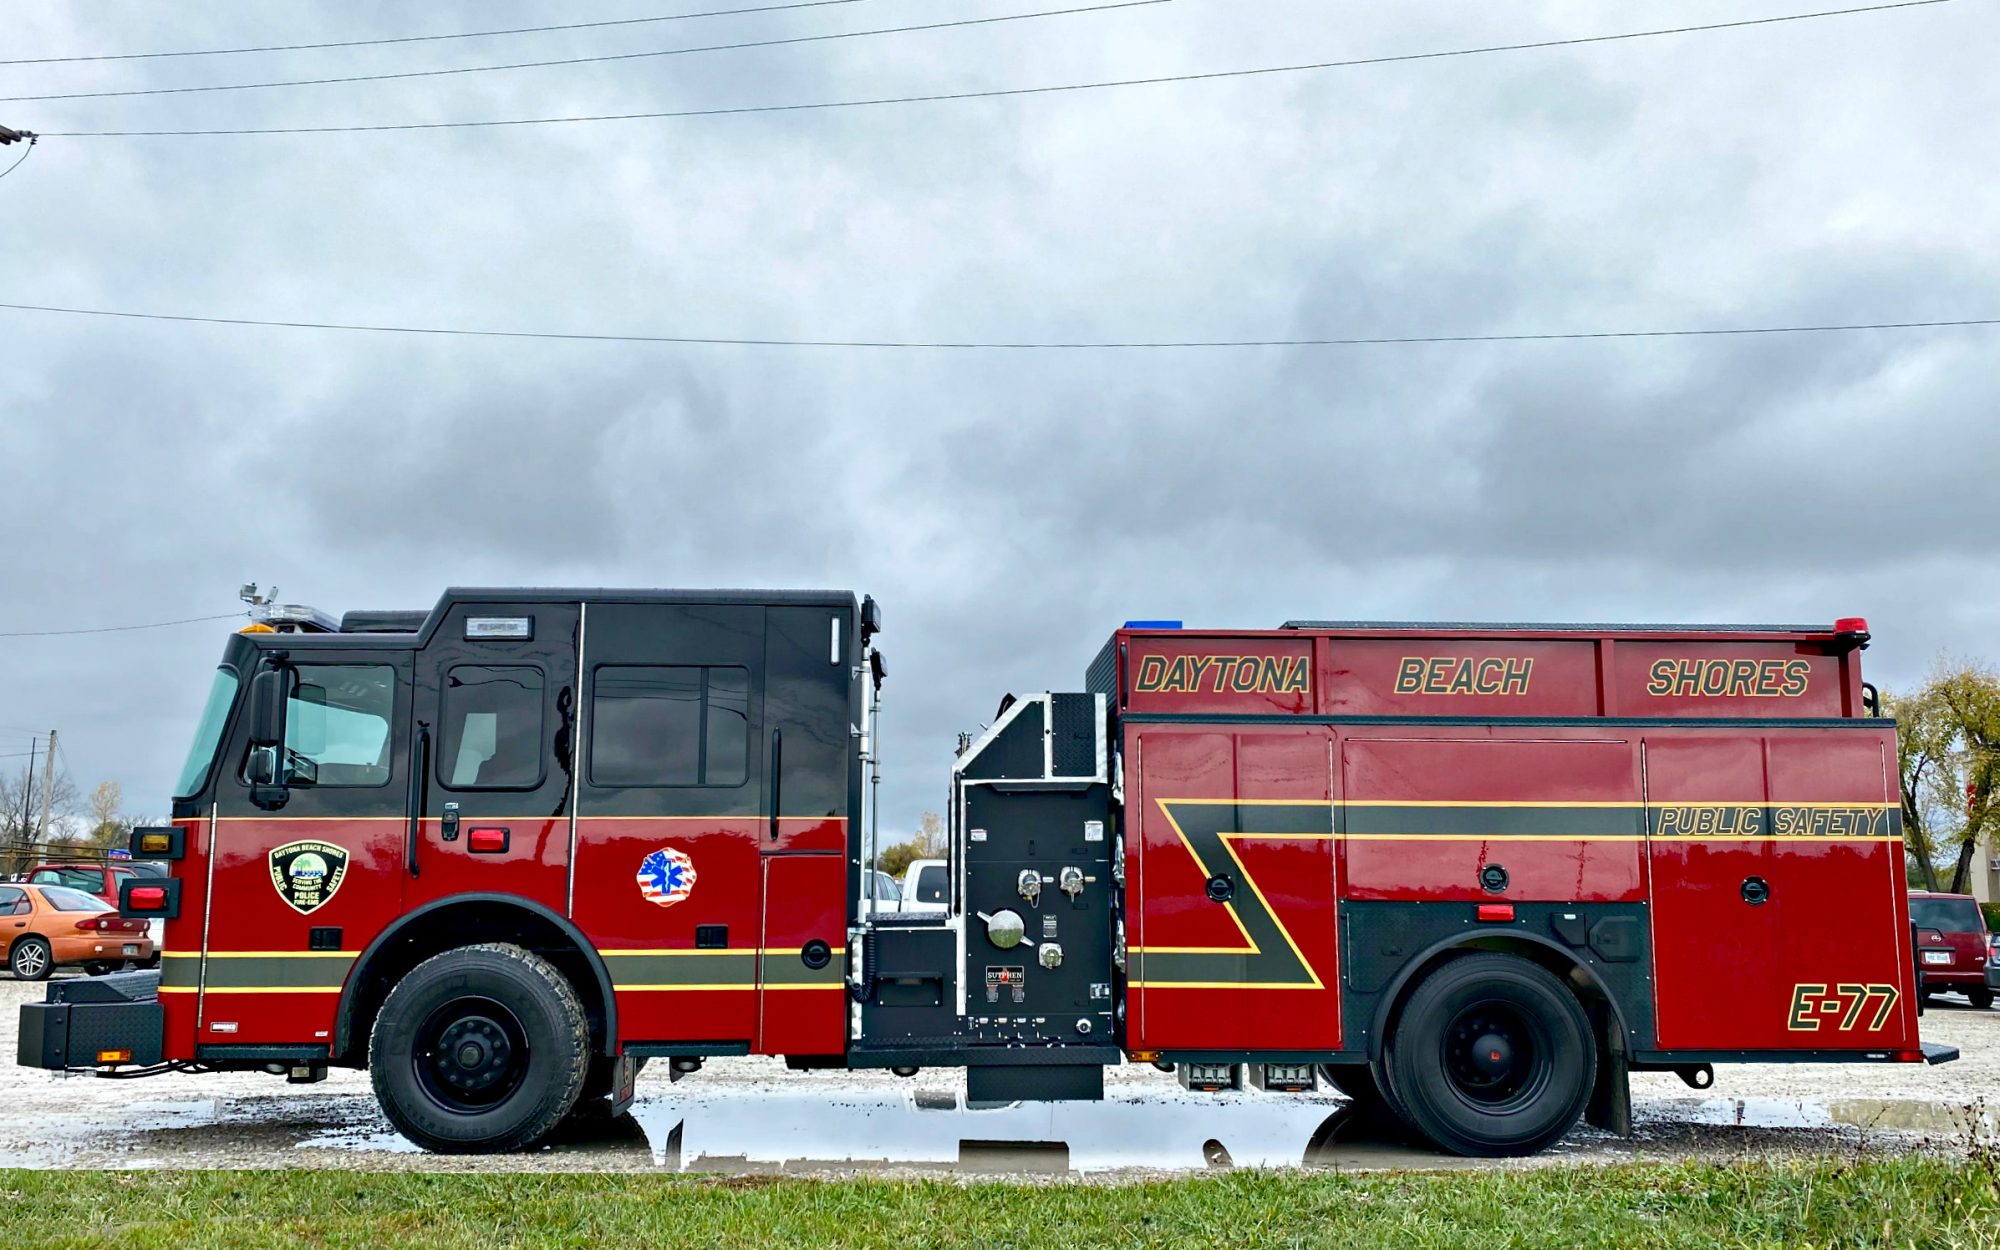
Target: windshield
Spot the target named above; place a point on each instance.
(201, 752)
(63, 898)
(1947, 915)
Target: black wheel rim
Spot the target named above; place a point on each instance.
(471, 1055)
(1496, 1056)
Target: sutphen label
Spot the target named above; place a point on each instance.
(1223, 674)
(1772, 679)
(1464, 674)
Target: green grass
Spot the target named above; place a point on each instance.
(1874, 1202)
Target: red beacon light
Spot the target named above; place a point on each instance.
(1851, 625)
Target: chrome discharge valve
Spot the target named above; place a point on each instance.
(1051, 955)
(1070, 880)
(1004, 928)
(1030, 885)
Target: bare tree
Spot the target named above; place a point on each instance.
(928, 842)
(108, 826)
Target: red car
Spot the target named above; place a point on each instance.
(1952, 945)
(90, 877)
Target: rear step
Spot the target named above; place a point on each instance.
(97, 1022)
(1938, 1052)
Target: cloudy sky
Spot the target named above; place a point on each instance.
(1009, 509)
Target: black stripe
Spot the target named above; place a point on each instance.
(1495, 822)
(1222, 720)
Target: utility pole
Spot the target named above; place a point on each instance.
(28, 792)
(48, 789)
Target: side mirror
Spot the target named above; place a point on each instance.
(265, 769)
(269, 690)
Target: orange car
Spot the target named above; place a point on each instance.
(44, 927)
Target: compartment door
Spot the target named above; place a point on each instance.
(1250, 962)
(1776, 882)
(1717, 976)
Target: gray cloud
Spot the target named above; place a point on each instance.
(1008, 509)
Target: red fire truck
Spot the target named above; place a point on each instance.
(502, 852)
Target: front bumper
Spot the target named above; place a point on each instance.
(109, 1021)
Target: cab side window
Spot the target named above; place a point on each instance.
(337, 725)
(670, 725)
(491, 735)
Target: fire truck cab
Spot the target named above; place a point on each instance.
(503, 852)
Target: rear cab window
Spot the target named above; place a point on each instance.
(64, 899)
(1947, 915)
(89, 880)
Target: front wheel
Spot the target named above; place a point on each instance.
(483, 1048)
(1492, 1056)
(31, 959)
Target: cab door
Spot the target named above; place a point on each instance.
(668, 879)
(496, 698)
(295, 894)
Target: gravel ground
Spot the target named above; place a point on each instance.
(751, 1115)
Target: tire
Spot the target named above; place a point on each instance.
(1982, 999)
(99, 970)
(481, 1049)
(1492, 1056)
(31, 959)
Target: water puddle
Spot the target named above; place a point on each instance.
(820, 1127)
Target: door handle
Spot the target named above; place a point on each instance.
(420, 756)
(777, 771)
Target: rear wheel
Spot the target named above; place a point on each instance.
(1492, 1056)
(483, 1048)
(31, 959)
(98, 970)
(1981, 999)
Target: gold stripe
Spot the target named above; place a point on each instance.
(264, 954)
(401, 820)
(270, 989)
(628, 989)
(741, 950)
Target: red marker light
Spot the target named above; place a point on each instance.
(146, 898)
(1496, 912)
(486, 841)
(1851, 625)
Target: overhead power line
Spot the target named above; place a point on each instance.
(999, 93)
(118, 629)
(462, 34)
(1002, 345)
(594, 60)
